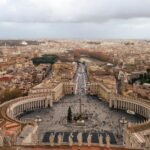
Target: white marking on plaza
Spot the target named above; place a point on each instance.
(84, 83)
(76, 85)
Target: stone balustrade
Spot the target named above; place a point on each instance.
(129, 103)
(21, 105)
(132, 104)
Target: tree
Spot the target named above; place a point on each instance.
(45, 59)
(148, 72)
(69, 116)
(145, 76)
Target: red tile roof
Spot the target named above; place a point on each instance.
(6, 79)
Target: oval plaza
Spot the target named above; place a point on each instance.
(29, 114)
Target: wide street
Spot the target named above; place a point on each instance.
(81, 80)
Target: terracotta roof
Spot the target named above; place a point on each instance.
(6, 79)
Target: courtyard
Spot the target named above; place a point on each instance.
(102, 118)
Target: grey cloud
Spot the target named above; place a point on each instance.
(130, 29)
(75, 19)
(72, 10)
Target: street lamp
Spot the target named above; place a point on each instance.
(80, 102)
(37, 120)
(123, 122)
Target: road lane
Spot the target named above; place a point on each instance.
(81, 81)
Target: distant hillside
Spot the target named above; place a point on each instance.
(17, 43)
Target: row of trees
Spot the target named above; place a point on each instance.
(45, 59)
(143, 78)
(69, 116)
(102, 56)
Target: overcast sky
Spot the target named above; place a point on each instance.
(75, 19)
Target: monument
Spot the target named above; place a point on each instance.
(100, 138)
(108, 141)
(51, 139)
(70, 139)
(60, 139)
(79, 139)
(89, 140)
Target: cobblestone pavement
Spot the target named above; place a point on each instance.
(53, 118)
(102, 118)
